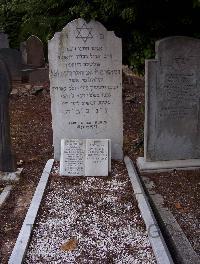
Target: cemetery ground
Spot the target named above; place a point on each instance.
(32, 141)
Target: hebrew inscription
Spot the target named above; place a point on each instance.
(86, 84)
(172, 126)
(87, 157)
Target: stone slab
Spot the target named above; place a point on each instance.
(172, 94)
(21, 244)
(85, 66)
(161, 166)
(86, 157)
(10, 176)
(39, 75)
(5, 193)
(179, 244)
(157, 241)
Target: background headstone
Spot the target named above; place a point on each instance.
(23, 52)
(35, 53)
(172, 121)
(85, 157)
(4, 42)
(13, 59)
(85, 62)
(7, 161)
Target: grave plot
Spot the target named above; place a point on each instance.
(89, 220)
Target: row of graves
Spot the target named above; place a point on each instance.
(26, 64)
(85, 71)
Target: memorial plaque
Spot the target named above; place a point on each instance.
(86, 157)
(172, 119)
(85, 62)
(72, 157)
(97, 157)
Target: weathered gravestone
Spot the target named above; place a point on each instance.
(7, 161)
(13, 59)
(4, 43)
(85, 62)
(172, 118)
(85, 157)
(34, 52)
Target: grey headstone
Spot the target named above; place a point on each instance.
(13, 59)
(35, 53)
(172, 119)
(86, 157)
(4, 43)
(7, 161)
(85, 65)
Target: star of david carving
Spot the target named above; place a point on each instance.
(84, 33)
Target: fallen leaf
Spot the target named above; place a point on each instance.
(69, 245)
(178, 205)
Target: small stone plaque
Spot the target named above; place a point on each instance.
(86, 157)
(97, 157)
(72, 157)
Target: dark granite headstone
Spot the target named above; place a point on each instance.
(13, 59)
(7, 161)
(35, 53)
(4, 42)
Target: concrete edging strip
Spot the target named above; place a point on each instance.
(4, 195)
(25, 232)
(181, 249)
(157, 241)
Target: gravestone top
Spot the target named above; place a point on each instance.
(85, 65)
(4, 42)
(7, 161)
(34, 53)
(172, 123)
(86, 157)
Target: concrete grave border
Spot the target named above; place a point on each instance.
(180, 246)
(21, 244)
(5, 193)
(157, 241)
(11, 176)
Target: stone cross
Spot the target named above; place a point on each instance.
(7, 161)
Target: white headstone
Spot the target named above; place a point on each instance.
(85, 62)
(86, 157)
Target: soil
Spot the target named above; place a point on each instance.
(32, 142)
